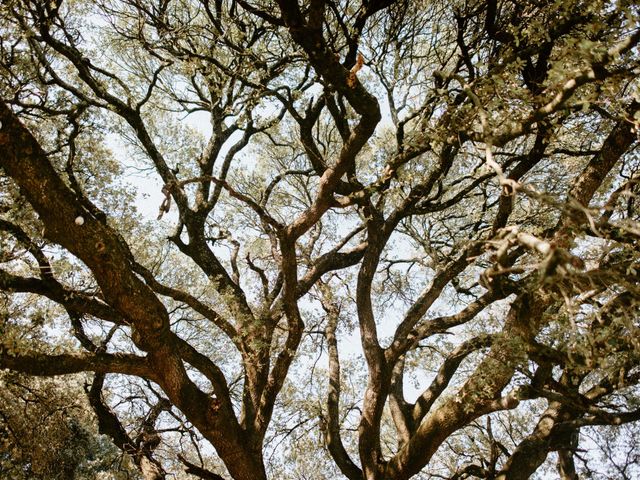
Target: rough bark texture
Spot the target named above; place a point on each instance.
(418, 173)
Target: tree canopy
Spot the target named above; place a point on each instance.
(394, 239)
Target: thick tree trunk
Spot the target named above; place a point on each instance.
(103, 251)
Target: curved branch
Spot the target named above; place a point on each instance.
(332, 427)
(95, 243)
(109, 424)
(41, 364)
(193, 469)
(445, 373)
(74, 301)
(181, 296)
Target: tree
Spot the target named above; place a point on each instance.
(46, 432)
(450, 185)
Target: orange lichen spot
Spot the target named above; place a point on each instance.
(351, 80)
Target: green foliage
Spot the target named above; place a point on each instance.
(47, 431)
(395, 238)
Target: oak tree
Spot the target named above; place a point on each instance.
(306, 238)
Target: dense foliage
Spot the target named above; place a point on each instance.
(395, 239)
